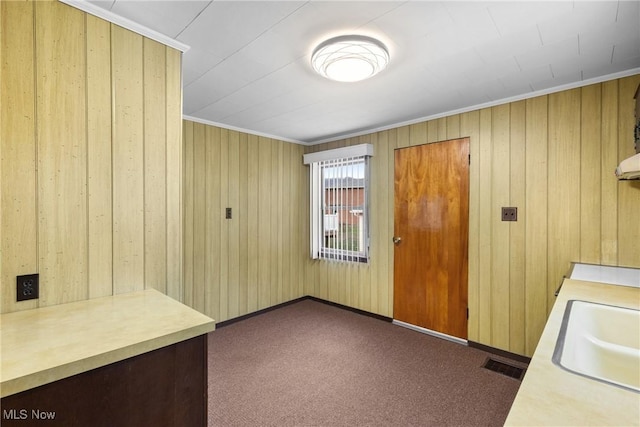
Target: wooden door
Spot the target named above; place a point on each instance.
(431, 211)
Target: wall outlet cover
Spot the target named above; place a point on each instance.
(28, 287)
(510, 214)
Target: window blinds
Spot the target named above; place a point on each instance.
(339, 203)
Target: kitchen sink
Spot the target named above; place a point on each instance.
(601, 342)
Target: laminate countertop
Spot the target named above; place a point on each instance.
(550, 395)
(47, 344)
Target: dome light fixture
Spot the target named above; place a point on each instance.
(350, 58)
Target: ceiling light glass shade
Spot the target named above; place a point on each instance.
(350, 58)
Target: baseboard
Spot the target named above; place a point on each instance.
(354, 310)
(306, 297)
(259, 312)
(499, 352)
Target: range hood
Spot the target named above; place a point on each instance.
(629, 168)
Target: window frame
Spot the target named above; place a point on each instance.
(317, 161)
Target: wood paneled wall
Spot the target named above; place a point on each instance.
(551, 156)
(255, 259)
(91, 157)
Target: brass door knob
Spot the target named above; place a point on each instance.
(396, 239)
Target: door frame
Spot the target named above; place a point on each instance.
(467, 173)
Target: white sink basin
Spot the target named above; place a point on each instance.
(601, 342)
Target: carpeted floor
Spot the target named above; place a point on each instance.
(312, 364)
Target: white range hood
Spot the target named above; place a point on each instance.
(629, 168)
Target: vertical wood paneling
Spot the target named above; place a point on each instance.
(470, 127)
(484, 233)
(500, 242)
(590, 174)
(453, 127)
(629, 191)
(609, 187)
(173, 105)
(213, 223)
(299, 220)
(213, 220)
(299, 215)
(285, 222)
(274, 229)
(364, 270)
(61, 131)
(403, 137)
(243, 228)
(188, 180)
(432, 131)
(223, 239)
(99, 176)
(442, 128)
(418, 134)
(98, 103)
(233, 198)
(564, 186)
(517, 198)
(381, 240)
(155, 150)
(240, 265)
(393, 144)
(253, 215)
(264, 226)
(199, 217)
(128, 156)
(536, 229)
(17, 151)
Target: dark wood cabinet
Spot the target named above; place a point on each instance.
(164, 387)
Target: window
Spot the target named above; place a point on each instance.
(339, 203)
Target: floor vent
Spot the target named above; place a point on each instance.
(504, 369)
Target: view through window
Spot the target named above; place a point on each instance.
(339, 199)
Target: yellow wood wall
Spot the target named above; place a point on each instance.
(91, 157)
(255, 259)
(551, 156)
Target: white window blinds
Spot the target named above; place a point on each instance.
(339, 192)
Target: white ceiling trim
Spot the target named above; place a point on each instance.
(126, 23)
(548, 91)
(247, 131)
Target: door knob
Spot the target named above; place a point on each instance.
(396, 239)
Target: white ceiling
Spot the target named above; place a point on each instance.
(248, 66)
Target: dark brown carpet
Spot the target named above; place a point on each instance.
(312, 364)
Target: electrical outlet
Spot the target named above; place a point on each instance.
(509, 214)
(227, 213)
(28, 287)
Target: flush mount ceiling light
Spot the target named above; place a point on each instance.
(350, 58)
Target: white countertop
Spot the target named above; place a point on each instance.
(624, 276)
(550, 395)
(46, 344)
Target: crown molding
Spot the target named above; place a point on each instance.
(497, 102)
(126, 23)
(237, 129)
